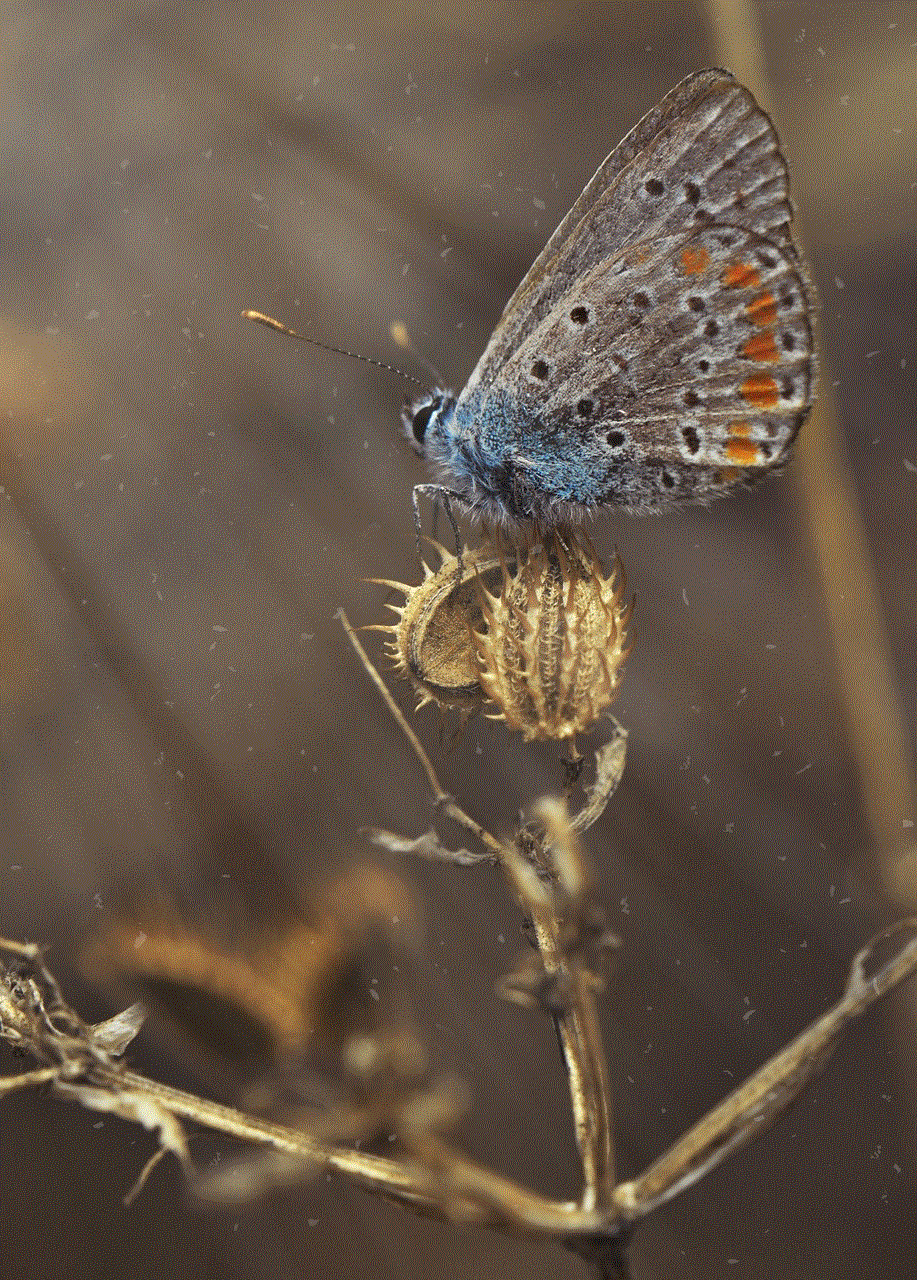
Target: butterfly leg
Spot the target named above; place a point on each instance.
(439, 493)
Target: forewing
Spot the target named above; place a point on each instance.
(706, 153)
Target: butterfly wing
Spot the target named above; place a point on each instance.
(678, 368)
(707, 152)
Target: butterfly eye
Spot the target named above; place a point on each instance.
(421, 420)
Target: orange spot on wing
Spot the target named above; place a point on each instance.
(762, 311)
(742, 452)
(694, 261)
(740, 276)
(760, 347)
(760, 391)
(740, 429)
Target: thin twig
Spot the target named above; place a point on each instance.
(444, 801)
(28, 1079)
(414, 1186)
(751, 1108)
(428, 846)
(144, 1175)
(579, 1036)
(577, 1026)
(425, 761)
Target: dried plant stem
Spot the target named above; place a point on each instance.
(444, 801)
(29, 1079)
(374, 1172)
(587, 1077)
(751, 1108)
(554, 883)
(507, 1204)
(577, 1026)
(443, 1183)
(473, 1194)
(579, 1036)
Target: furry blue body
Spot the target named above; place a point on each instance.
(504, 467)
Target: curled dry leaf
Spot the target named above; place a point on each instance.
(609, 769)
(115, 1034)
(428, 845)
(134, 1105)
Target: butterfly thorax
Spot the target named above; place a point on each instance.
(474, 466)
(496, 462)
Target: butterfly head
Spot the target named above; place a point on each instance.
(421, 417)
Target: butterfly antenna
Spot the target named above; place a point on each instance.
(325, 346)
(399, 331)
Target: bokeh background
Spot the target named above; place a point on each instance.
(187, 500)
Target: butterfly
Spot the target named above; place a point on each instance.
(658, 351)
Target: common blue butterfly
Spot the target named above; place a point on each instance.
(659, 350)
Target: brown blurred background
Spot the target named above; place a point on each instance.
(187, 499)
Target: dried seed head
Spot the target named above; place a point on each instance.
(539, 632)
(432, 641)
(552, 647)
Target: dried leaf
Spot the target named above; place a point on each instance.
(609, 768)
(115, 1034)
(140, 1108)
(428, 845)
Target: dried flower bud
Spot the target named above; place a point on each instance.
(552, 649)
(432, 641)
